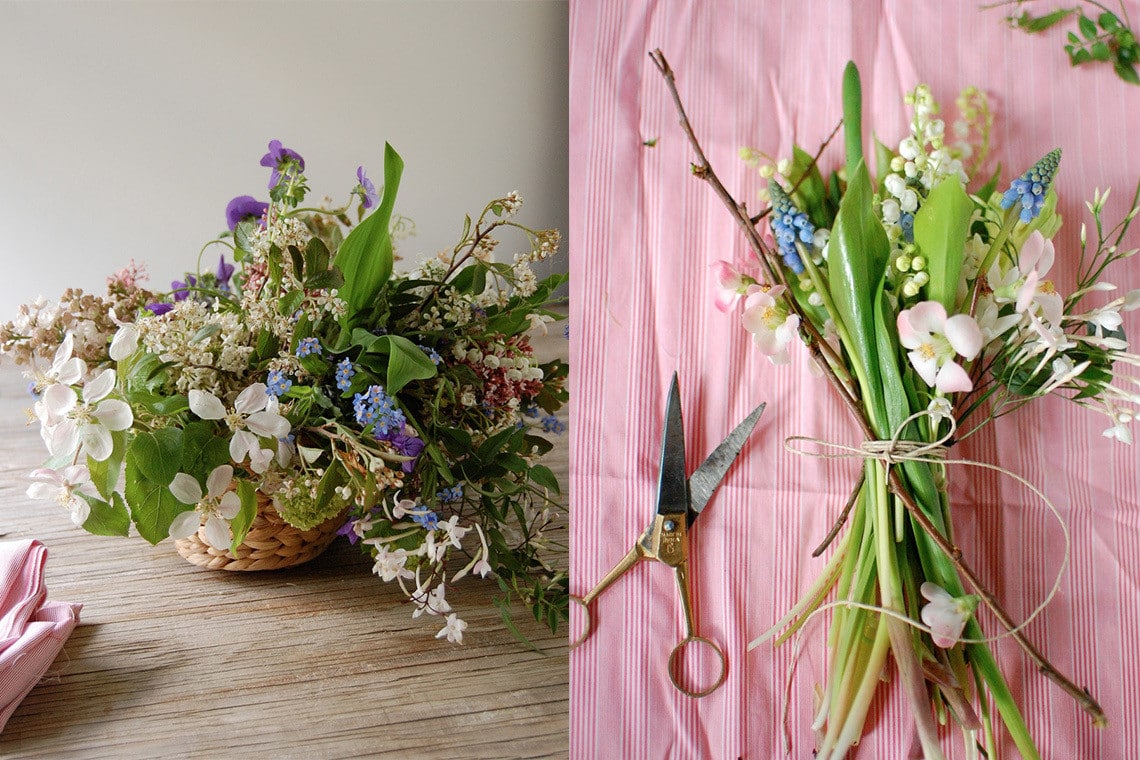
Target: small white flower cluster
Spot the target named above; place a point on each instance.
(282, 231)
(393, 561)
(210, 347)
(924, 157)
(512, 203)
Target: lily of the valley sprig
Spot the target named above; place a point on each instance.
(293, 361)
(926, 305)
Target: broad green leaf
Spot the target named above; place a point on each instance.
(107, 519)
(1099, 51)
(240, 524)
(941, 227)
(1127, 73)
(365, 256)
(852, 117)
(857, 264)
(542, 475)
(153, 507)
(406, 362)
(203, 449)
(157, 455)
(298, 262)
(883, 156)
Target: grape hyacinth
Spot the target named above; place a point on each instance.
(789, 224)
(1030, 188)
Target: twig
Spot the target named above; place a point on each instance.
(831, 534)
(813, 165)
(704, 171)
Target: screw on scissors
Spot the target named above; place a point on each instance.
(680, 500)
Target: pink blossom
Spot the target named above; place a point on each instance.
(936, 340)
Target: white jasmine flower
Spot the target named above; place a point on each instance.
(84, 424)
(389, 565)
(454, 531)
(432, 603)
(64, 487)
(946, 615)
(219, 505)
(940, 409)
(453, 630)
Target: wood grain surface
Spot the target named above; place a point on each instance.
(321, 661)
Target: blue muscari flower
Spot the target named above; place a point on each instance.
(789, 224)
(432, 354)
(451, 495)
(906, 222)
(427, 520)
(344, 374)
(308, 346)
(551, 424)
(1030, 188)
(278, 383)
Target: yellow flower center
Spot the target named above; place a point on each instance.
(926, 350)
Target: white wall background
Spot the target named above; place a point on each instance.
(126, 127)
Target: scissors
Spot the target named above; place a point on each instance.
(680, 501)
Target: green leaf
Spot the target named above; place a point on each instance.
(298, 262)
(1100, 51)
(325, 280)
(406, 362)
(203, 449)
(1127, 73)
(153, 507)
(852, 117)
(1033, 24)
(542, 475)
(107, 519)
(812, 192)
(1074, 39)
(365, 256)
(1109, 22)
(941, 227)
(471, 280)
(857, 264)
(316, 256)
(105, 474)
(157, 455)
(240, 524)
(1087, 27)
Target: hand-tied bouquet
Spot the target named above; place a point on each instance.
(926, 307)
(307, 383)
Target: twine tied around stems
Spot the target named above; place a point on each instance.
(898, 450)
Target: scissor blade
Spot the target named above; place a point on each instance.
(673, 489)
(708, 476)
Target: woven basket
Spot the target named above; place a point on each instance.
(271, 544)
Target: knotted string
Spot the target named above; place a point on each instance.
(891, 452)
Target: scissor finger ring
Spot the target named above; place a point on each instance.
(675, 666)
(589, 626)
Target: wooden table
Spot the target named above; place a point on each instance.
(321, 661)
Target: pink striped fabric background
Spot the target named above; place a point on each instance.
(643, 234)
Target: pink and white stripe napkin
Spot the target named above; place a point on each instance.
(32, 629)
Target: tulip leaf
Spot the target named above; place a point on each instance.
(852, 117)
(941, 227)
(365, 256)
(857, 263)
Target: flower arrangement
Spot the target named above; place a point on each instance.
(929, 309)
(305, 379)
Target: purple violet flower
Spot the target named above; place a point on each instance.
(242, 207)
(225, 271)
(369, 197)
(276, 157)
(158, 309)
(181, 290)
(407, 446)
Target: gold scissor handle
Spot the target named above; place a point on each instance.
(682, 573)
(629, 560)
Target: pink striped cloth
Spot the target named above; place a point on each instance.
(643, 235)
(32, 629)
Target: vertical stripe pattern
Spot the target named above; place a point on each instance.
(643, 234)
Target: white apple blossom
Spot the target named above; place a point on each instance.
(946, 615)
(772, 327)
(65, 368)
(85, 424)
(255, 413)
(935, 340)
(218, 505)
(65, 488)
